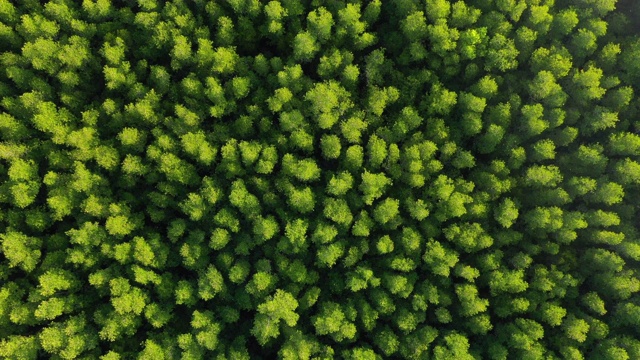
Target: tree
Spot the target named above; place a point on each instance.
(328, 99)
(624, 143)
(455, 346)
(439, 258)
(608, 193)
(545, 88)
(576, 328)
(373, 185)
(305, 170)
(17, 346)
(542, 176)
(279, 307)
(627, 172)
(332, 321)
(331, 146)
(414, 26)
(470, 237)
(543, 150)
(21, 250)
(441, 100)
(501, 54)
(304, 46)
(585, 84)
(386, 210)
(540, 19)
(337, 210)
(320, 22)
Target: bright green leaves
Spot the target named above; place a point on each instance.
(319, 179)
(373, 186)
(328, 101)
(354, 158)
(473, 106)
(224, 60)
(441, 100)
(452, 197)
(442, 37)
(328, 255)
(51, 120)
(470, 302)
(21, 250)
(544, 88)
(69, 339)
(305, 170)
(331, 146)
(279, 307)
(439, 259)
(267, 161)
(387, 341)
(507, 281)
(51, 308)
(608, 193)
(339, 184)
(56, 280)
(543, 218)
(295, 232)
(380, 98)
(177, 169)
(352, 129)
(197, 146)
(275, 14)
(18, 347)
(132, 138)
(624, 143)
(302, 140)
(304, 46)
(387, 210)
(627, 172)
(337, 210)
(376, 151)
(125, 298)
(585, 85)
(506, 213)
(350, 25)
(246, 202)
(280, 98)
(502, 54)
(456, 346)
(576, 328)
(332, 321)
(302, 200)
(470, 41)
(361, 279)
(24, 182)
(43, 54)
(207, 329)
(119, 225)
(414, 26)
(210, 283)
(543, 150)
(470, 237)
(319, 23)
(437, 9)
(538, 176)
(539, 18)
(565, 21)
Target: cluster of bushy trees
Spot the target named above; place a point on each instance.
(319, 179)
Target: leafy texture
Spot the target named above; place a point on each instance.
(245, 179)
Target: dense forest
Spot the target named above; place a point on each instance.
(320, 179)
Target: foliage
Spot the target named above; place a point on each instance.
(291, 179)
